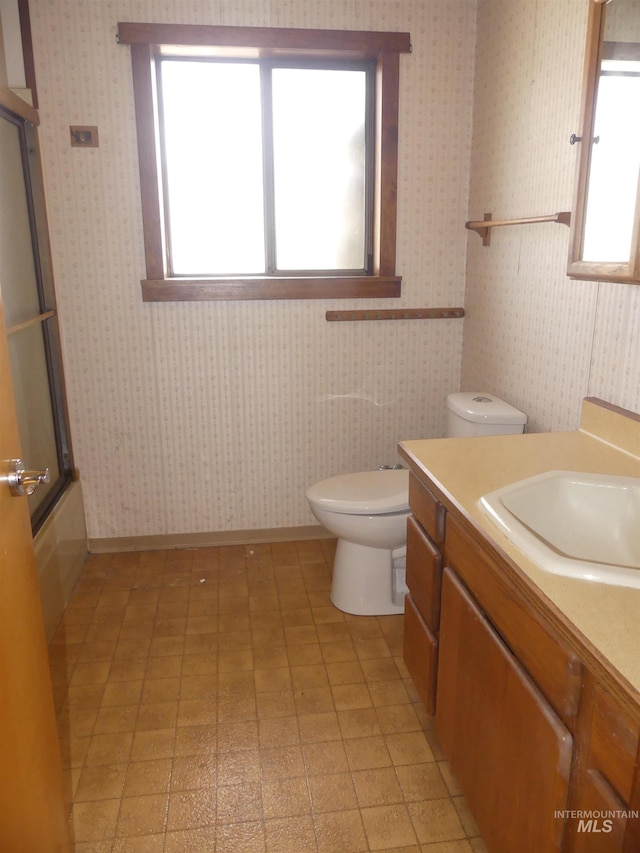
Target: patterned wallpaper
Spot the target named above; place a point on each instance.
(532, 335)
(191, 418)
(213, 417)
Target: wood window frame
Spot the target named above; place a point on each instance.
(148, 41)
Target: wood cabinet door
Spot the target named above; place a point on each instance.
(508, 749)
(597, 834)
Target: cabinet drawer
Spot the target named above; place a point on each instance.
(554, 667)
(427, 509)
(613, 743)
(509, 751)
(424, 573)
(420, 655)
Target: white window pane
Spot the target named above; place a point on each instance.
(213, 149)
(608, 230)
(319, 168)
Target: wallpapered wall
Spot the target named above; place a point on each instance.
(217, 416)
(531, 334)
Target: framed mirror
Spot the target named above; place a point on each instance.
(605, 239)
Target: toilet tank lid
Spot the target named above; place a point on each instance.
(363, 493)
(484, 408)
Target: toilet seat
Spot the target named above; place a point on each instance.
(363, 493)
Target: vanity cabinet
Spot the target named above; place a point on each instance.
(536, 728)
(508, 749)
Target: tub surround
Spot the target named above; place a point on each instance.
(61, 550)
(603, 618)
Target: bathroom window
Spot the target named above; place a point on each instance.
(268, 161)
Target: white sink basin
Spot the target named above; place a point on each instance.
(578, 525)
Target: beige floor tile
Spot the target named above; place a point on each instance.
(148, 777)
(94, 672)
(127, 670)
(385, 693)
(201, 840)
(237, 803)
(109, 749)
(282, 762)
(339, 652)
(421, 782)
(409, 748)
(367, 753)
(142, 815)
(214, 699)
(103, 782)
(196, 740)
(94, 820)
(436, 820)
(318, 727)
(394, 719)
(278, 731)
(289, 835)
(163, 689)
(341, 831)
(325, 757)
(307, 677)
(273, 679)
(140, 844)
(306, 654)
(349, 697)
(159, 715)
(191, 809)
(242, 766)
(377, 787)
(388, 826)
(286, 797)
(196, 664)
(359, 723)
(118, 718)
(275, 704)
(332, 792)
(450, 847)
(313, 700)
(193, 771)
(238, 734)
(195, 712)
(150, 745)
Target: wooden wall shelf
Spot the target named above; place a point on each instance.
(397, 314)
(483, 226)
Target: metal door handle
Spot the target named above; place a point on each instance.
(23, 482)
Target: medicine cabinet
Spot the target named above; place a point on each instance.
(605, 240)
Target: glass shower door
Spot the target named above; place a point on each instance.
(26, 285)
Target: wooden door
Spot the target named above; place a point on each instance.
(32, 811)
(507, 748)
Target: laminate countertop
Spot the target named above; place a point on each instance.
(604, 617)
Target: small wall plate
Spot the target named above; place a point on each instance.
(83, 136)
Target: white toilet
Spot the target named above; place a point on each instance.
(368, 512)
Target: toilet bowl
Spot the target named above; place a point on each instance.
(368, 511)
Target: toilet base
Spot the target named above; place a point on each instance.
(363, 580)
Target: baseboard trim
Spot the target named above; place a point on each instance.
(204, 540)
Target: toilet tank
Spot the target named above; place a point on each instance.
(472, 413)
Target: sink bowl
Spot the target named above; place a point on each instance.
(579, 525)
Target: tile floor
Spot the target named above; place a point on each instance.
(214, 700)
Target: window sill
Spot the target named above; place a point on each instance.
(210, 289)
